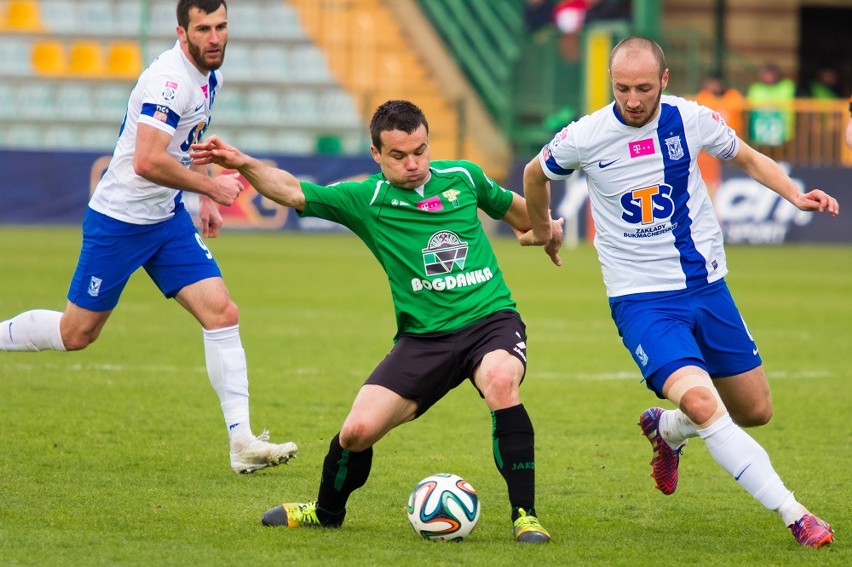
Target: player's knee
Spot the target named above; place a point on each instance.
(500, 388)
(225, 315)
(78, 340)
(702, 406)
(356, 436)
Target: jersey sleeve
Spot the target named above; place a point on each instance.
(560, 157)
(493, 199)
(717, 138)
(164, 99)
(345, 203)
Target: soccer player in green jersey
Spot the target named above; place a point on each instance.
(456, 319)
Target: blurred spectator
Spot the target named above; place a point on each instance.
(730, 104)
(570, 16)
(602, 10)
(771, 121)
(825, 85)
(538, 14)
(849, 126)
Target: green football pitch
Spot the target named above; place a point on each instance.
(117, 455)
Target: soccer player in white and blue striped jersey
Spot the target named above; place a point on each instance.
(136, 219)
(663, 262)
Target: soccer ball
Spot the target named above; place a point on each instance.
(443, 507)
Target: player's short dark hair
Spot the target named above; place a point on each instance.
(396, 115)
(206, 6)
(637, 41)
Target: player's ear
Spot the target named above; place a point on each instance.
(665, 79)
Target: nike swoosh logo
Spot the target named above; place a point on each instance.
(197, 108)
(754, 351)
(607, 164)
(742, 472)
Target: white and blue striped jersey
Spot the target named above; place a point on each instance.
(173, 96)
(655, 226)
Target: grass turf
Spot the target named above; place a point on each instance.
(117, 455)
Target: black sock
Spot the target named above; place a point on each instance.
(343, 472)
(514, 455)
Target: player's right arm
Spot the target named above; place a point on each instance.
(273, 183)
(152, 161)
(537, 194)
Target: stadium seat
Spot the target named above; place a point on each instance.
(111, 101)
(272, 62)
(74, 100)
(62, 136)
(128, 19)
(299, 108)
(229, 107)
(15, 56)
(23, 16)
(124, 59)
(49, 58)
(245, 20)
(337, 108)
(254, 140)
(36, 100)
(8, 104)
(60, 16)
(24, 136)
(87, 59)
(99, 138)
(96, 17)
(238, 63)
(163, 19)
(309, 65)
(280, 20)
(290, 142)
(263, 106)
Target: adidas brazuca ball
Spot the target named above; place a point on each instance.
(443, 507)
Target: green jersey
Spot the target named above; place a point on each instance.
(441, 267)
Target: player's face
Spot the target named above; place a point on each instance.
(205, 38)
(404, 158)
(637, 86)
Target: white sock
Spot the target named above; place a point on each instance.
(226, 367)
(32, 331)
(744, 459)
(676, 428)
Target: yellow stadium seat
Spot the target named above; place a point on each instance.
(23, 16)
(49, 58)
(87, 59)
(124, 59)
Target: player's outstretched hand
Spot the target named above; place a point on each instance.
(818, 200)
(552, 247)
(215, 150)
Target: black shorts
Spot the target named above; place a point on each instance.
(424, 368)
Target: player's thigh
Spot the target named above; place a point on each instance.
(375, 411)
(659, 336)
(722, 334)
(747, 397)
(182, 260)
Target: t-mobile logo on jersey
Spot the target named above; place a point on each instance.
(641, 148)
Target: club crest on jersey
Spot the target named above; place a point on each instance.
(453, 197)
(444, 253)
(674, 148)
(95, 286)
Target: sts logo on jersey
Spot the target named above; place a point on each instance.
(647, 205)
